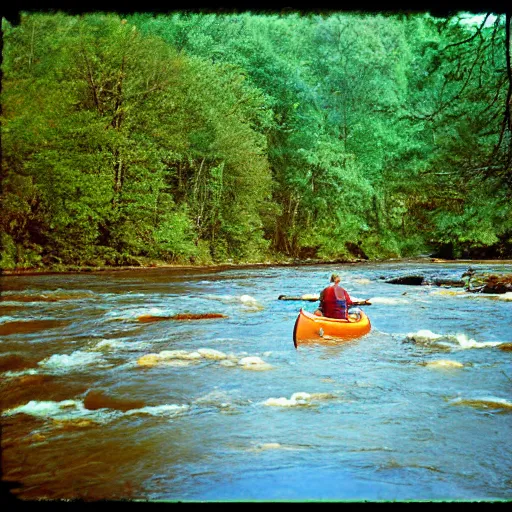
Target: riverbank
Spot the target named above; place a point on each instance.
(70, 269)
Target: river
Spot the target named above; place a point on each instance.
(105, 397)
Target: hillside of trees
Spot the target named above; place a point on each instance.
(204, 138)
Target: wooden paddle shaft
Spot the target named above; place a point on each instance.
(315, 298)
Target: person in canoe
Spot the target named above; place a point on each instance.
(334, 300)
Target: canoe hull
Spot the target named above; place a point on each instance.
(310, 328)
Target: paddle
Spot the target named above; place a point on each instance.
(309, 297)
(365, 302)
(180, 316)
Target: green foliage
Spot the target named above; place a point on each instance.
(174, 237)
(191, 137)
(116, 115)
(475, 224)
(7, 252)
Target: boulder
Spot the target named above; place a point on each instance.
(409, 280)
(490, 283)
(452, 283)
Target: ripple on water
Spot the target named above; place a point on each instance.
(30, 326)
(73, 410)
(370, 420)
(181, 357)
(447, 341)
(47, 296)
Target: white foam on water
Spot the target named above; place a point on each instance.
(465, 343)
(160, 410)
(44, 408)
(124, 294)
(122, 346)
(130, 295)
(251, 302)
(64, 410)
(181, 357)
(460, 340)
(474, 295)
(20, 373)
(246, 300)
(77, 359)
(390, 301)
(423, 335)
(491, 296)
(135, 313)
(228, 363)
(297, 399)
(69, 410)
(274, 446)
(254, 363)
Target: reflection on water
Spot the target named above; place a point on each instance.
(183, 385)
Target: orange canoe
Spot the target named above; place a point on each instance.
(312, 328)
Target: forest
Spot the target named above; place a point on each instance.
(249, 137)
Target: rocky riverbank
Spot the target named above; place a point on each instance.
(470, 280)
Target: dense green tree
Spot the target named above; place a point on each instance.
(204, 137)
(460, 193)
(99, 126)
(334, 83)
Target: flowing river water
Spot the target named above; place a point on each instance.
(105, 397)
